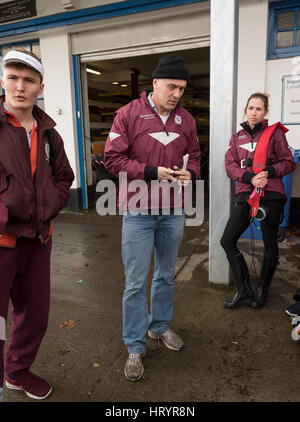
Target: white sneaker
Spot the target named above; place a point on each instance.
(169, 338)
(134, 368)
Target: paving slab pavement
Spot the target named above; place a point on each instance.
(241, 355)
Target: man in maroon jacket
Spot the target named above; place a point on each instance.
(35, 178)
(147, 142)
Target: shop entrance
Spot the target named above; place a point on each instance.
(110, 84)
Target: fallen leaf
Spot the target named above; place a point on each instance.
(69, 323)
(96, 365)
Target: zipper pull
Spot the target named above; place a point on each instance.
(252, 137)
(166, 131)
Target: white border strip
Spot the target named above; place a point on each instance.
(2, 328)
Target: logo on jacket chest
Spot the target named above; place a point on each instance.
(178, 119)
(147, 116)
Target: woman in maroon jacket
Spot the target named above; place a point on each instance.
(238, 162)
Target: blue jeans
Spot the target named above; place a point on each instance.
(140, 234)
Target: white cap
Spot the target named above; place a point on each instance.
(20, 57)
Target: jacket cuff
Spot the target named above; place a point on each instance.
(193, 175)
(150, 173)
(271, 172)
(247, 177)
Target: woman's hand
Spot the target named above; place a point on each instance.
(260, 180)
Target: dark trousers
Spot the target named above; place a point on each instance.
(25, 279)
(240, 219)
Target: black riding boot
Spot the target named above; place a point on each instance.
(266, 274)
(241, 275)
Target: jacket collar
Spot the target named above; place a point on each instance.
(144, 97)
(257, 127)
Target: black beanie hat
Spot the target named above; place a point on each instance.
(171, 67)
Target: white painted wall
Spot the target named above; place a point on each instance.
(186, 26)
(276, 69)
(252, 52)
(59, 93)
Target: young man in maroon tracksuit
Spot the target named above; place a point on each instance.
(32, 192)
(147, 142)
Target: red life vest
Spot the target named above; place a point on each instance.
(259, 163)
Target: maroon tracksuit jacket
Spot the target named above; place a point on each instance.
(242, 147)
(139, 138)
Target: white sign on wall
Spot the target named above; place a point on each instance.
(290, 100)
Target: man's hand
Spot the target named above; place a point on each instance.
(164, 173)
(183, 176)
(260, 180)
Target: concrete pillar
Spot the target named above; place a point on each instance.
(223, 84)
(59, 97)
(252, 75)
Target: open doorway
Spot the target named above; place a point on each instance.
(114, 83)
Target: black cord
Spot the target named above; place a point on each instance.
(281, 217)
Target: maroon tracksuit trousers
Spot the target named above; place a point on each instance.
(25, 279)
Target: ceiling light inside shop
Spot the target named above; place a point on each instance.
(115, 83)
(94, 72)
(124, 85)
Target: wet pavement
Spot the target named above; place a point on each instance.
(241, 355)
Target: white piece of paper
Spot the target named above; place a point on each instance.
(185, 161)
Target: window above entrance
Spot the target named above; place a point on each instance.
(284, 29)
